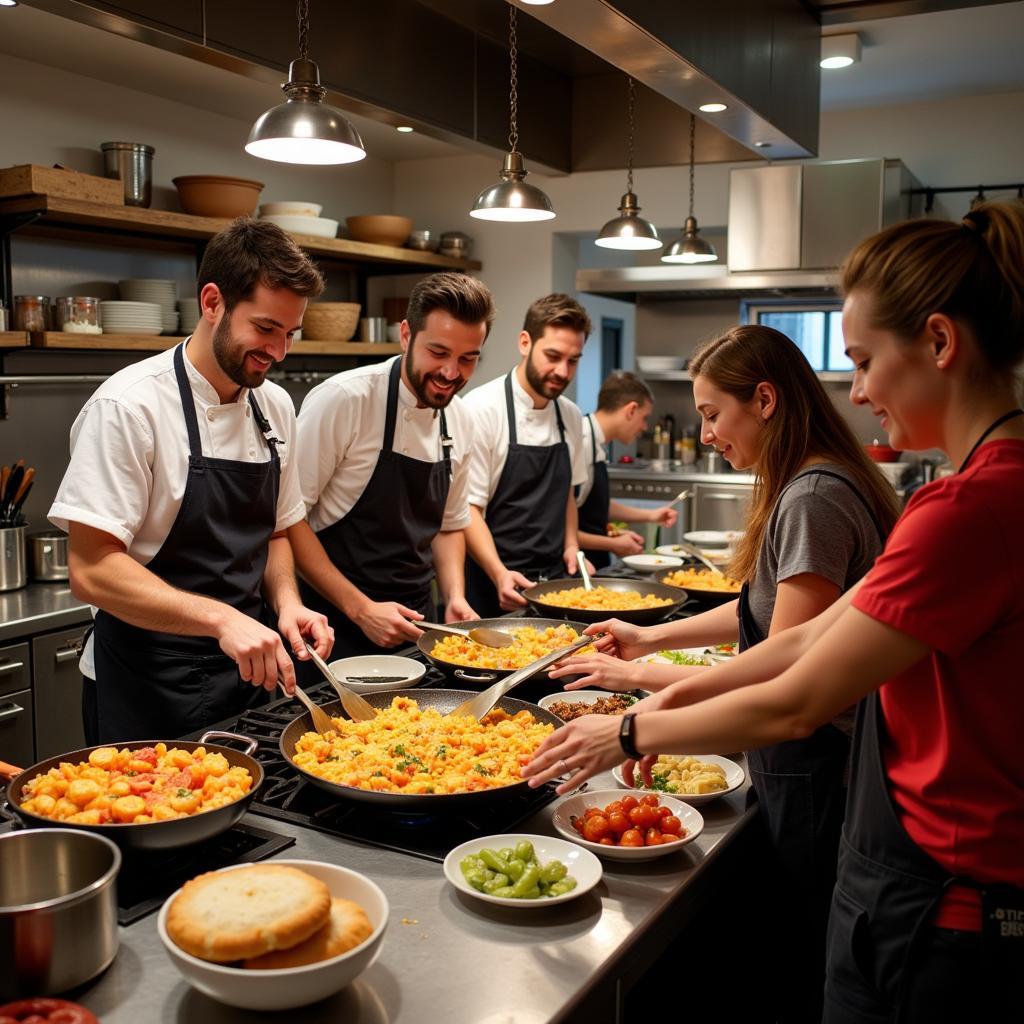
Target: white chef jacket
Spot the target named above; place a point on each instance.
(597, 435)
(533, 427)
(129, 454)
(341, 430)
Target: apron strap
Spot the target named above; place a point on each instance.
(264, 426)
(511, 410)
(391, 416)
(561, 425)
(593, 438)
(446, 445)
(882, 534)
(188, 403)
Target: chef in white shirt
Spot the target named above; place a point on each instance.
(179, 490)
(384, 465)
(527, 457)
(623, 405)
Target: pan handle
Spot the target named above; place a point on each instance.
(250, 743)
(486, 677)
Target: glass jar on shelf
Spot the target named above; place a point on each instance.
(78, 314)
(31, 312)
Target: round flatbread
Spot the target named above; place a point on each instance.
(347, 928)
(246, 912)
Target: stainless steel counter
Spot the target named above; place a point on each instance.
(448, 957)
(39, 608)
(684, 474)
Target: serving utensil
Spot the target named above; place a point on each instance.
(679, 497)
(478, 634)
(581, 561)
(481, 703)
(357, 708)
(321, 720)
(695, 553)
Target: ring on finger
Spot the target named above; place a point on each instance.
(564, 765)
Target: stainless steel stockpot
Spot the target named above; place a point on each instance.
(48, 555)
(58, 909)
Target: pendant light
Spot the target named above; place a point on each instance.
(629, 230)
(512, 199)
(690, 247)
(304, 129)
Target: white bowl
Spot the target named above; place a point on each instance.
(582, 865)
(574, 806)
(288, 987)
(653, 563)
(577, 697)
(321, 227)
(660, 364)
(734, 777)
(386, 665)
(292, 208)
(712, 538)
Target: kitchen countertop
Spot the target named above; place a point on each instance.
(39, 608)
(449, 957)
(685, 474)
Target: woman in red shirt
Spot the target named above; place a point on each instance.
(927, 920)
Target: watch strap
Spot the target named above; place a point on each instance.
(626, 736)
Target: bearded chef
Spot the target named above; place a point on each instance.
(180, 487)
(383, 460)
(527, 458)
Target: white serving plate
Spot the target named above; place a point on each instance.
(657, 562)
(284, 988)
(734, 777)
(290, 208)
(322, 227)
(575, 696)
(712, 538)
(572, 806)
(378, 665)
(582, 865)
(657, 659)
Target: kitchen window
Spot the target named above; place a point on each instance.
(816, 328)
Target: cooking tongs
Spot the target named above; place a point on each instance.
(479, 705)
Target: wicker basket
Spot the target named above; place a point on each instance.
(330, 321)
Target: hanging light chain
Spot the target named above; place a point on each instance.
(302, 9)
(693, 125)
(629, 152)
(513, 93)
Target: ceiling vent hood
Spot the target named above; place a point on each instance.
(790, 226)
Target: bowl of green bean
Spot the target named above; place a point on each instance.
(522, 870)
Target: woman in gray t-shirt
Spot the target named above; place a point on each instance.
(819, 517)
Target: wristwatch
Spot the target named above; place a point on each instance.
(627, 731)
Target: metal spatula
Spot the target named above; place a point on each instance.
(321, 720)
(581, 561)
(691, 550)
(479, 705)
(359, 710)
(478, 634)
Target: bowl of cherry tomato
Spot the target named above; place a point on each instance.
(627, 827)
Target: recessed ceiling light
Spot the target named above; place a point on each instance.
(713, 108)
(404, 128)
(763, 145)
(8, 3)
(840, 51)
(538, 3)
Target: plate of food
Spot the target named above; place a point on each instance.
(695, 780)
(653, 563)
(681, 656)
(522, 870)
(636, 601)
(574, 704)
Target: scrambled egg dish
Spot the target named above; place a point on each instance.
(406, 750)
(702, 579)
(530, 645)
(602, 599)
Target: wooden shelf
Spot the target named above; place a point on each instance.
(133, 220)
(161, 342)
(13, 339)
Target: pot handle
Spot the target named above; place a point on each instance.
(486, 677)
(250, 743)
(8, 771)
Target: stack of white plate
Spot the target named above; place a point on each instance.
(154, 290)
(131, 317)
(189, 310)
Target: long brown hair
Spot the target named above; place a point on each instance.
(805, 425)
(972, 270)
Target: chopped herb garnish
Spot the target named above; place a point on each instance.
(398, 750)
(442, 751)
(182, 793)
(480, 769)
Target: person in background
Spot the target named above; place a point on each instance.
(384, 467)
(623, 405)
(819, 517)
(177, 497)
(526, 459)
(930, 889)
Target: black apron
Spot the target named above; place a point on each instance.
(151, 685)
(801, 797)
(594, 511)
(382, 544)
(526, 513)
(887, 888)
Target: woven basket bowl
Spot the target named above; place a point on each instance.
(330, 321)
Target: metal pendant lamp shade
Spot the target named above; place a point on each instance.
(690, 247)
(304, 129)
(629, 230)
(512, 200)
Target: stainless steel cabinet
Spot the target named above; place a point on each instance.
(721, 506)
(16, 739)
(57, 692)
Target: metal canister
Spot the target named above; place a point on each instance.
(132, 162)
(12, 558)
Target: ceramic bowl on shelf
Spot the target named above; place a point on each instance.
(330, 321)
(291, 208)
(380, 229)
(319, 227)
(214, 195)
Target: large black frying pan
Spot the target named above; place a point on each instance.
(486, 675)
(638, 616)
(154, 835)
(428, 803)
